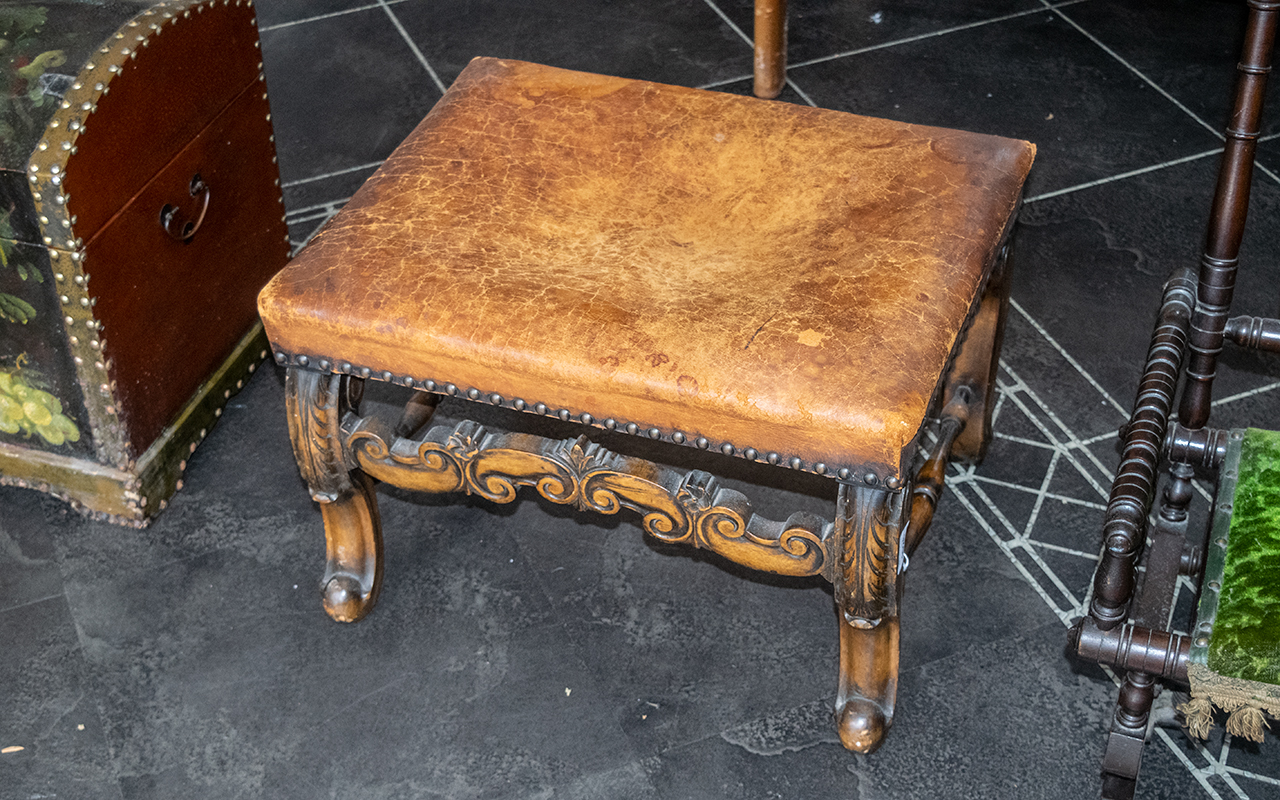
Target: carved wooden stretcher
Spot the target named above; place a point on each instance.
(784, 285)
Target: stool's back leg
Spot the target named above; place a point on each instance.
(978, 361)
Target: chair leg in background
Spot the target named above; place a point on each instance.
(770, 48)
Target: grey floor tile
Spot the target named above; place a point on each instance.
(28, 558)
(1031, 77)
(823, 28)
(51, 730)
(281, 13)
(344, 91)
(668, 41)
(1096, 287)
(1187, 48)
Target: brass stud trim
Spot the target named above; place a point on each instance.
(477, 394)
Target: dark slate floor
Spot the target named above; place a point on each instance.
(525, 651)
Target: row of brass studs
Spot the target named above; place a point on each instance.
(542, 409)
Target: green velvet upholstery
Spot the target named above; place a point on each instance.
(1246, 632)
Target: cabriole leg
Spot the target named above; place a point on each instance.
(353, 535)
(868, 523)
(353, 549)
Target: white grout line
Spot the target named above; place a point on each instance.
(412, 46)
(1061, 498)
(1242, 395)
(324, 220)
(1244, 773)
(1072, 600)
(1218, 134)
(724, 82)
(334, 174)
(732, 25)
(1196, 772)
(300, 214)
(1225, 775)
(1040, 493)
(318, 17)
(1084, 373)
(1045, 431)
(1102, 437)
(999, 514)
(1266, 171)
(1057, 548)
(32, 602)
(803, 94)
(882, 45)
(1017, 563)
(1023, 440)
(1131, 173)
(995, 412)
(920, 37)
(743, 35)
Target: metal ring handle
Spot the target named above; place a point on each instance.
(175, 223)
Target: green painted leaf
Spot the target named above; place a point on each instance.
(15, 309)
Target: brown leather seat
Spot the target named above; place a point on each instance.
(757, 275)
(779, 283)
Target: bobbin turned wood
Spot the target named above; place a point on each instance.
(1127, 626)
(790, 286)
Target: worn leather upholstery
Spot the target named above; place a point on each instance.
(763, 274)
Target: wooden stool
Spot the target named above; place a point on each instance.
(781, 284)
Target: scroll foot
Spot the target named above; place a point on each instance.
(861, 725)
(868, 683)
(353, 536)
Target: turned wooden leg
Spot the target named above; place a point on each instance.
(868, 524)
(770, 48)
(1123, 757)
(315, 402)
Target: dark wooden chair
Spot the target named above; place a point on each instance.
(775, 283)
(1231, 656)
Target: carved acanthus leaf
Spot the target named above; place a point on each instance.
(867, 566)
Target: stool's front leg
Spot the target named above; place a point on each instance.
(316, 402)
(868, 524)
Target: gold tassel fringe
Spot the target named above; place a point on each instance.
(1198, 713)
(1247, 722)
